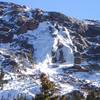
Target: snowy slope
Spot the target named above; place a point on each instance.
(34, 42)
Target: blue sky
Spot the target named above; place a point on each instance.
(82, 9)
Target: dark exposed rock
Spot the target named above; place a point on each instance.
(17, 8)
(93, 30)
(1, 74)
(37, 14)
(21, 20)
(77, 60)
(94, 66)
(31, 24)
(76, 95)
(1, 12)
(77, 54)
(94, 50)
(93, 95)
(8, 62)
(79, 68)
(5, 34)
(22, 29)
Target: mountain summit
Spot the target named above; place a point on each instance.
(47, 55)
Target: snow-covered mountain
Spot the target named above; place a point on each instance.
(35, 42)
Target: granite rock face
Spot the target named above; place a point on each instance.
(32, 42)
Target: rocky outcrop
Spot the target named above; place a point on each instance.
(5, 34)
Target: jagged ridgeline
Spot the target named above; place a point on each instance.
(47, 55)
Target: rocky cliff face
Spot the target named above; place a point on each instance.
(33, 42)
